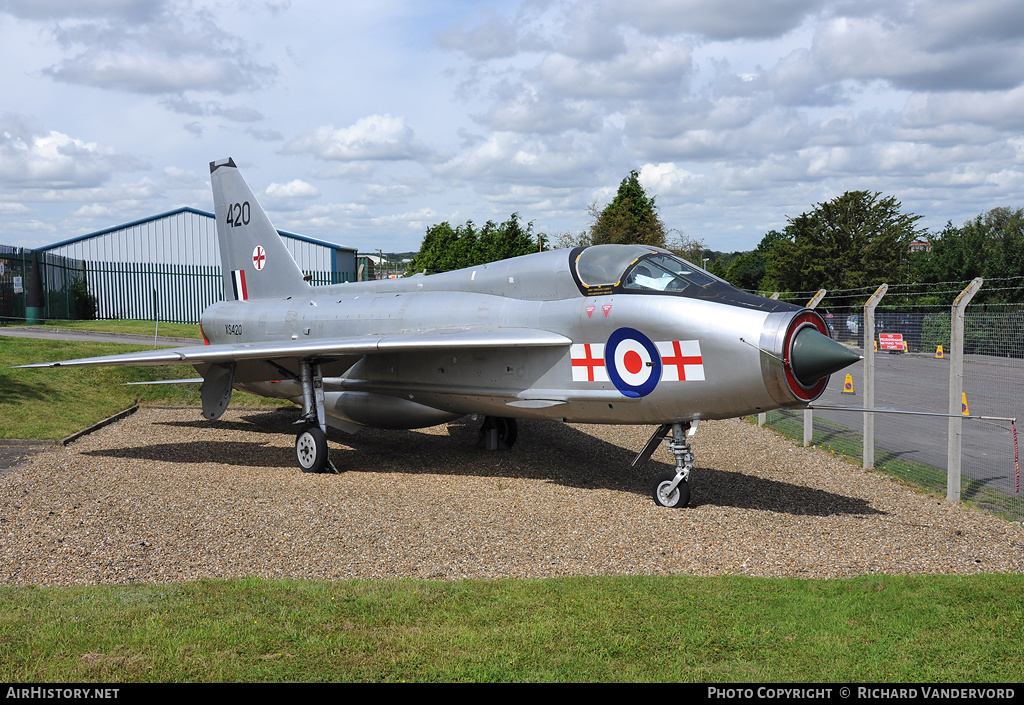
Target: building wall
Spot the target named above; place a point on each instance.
(189, 236)
(169, 265)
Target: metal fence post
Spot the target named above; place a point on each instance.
(956, 388)
(762, 418)
(808, 414)
(869, 375)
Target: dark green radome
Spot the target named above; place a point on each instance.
(816, 355)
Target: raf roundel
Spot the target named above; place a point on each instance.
(633, 362)
(259, 257)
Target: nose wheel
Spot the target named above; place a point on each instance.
(670, 490)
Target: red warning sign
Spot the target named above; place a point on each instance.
(891, 341)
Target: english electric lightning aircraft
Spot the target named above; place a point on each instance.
(606, 334)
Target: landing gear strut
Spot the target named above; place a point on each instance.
(498, 432)
(311, 443)
(672, 488)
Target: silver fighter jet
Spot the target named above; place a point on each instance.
(607, 334)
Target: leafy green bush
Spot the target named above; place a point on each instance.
(85, 303)
(935, 331)
(985, 333)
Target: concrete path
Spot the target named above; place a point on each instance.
(92, 336)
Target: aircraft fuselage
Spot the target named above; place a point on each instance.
(679, 358)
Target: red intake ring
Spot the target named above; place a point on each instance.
(801, 391)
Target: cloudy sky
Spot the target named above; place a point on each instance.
(363, 123)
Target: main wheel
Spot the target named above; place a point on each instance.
(679, 497)
(311, 449)
(508, 430)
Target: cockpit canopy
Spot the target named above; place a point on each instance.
(639, 269)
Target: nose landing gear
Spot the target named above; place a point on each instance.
(672, 488)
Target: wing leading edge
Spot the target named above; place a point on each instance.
(312, 349)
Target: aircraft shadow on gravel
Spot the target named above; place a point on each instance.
(236, 453)
(272, 421)
(557, 453)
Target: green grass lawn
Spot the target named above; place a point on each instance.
(54, 403)
(728, 629)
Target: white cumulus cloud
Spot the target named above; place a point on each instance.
(293, 189)
(375, 137)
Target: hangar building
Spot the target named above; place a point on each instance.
(168, 266)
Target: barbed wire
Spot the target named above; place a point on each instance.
(838, 293)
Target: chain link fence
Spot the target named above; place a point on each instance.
(917, 378)
(993, 374)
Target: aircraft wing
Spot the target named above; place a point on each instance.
(309, 349)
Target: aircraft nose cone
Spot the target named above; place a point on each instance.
(815, 355)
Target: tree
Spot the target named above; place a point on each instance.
(436, 249)
(687, 248)
(509, 239)
(716, 267)
(990, 246)
(630, 218)
(855, 240)
(567, 240)
(445, 248)
(748, 269)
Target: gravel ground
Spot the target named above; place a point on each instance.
(14, 455)
(164, 496)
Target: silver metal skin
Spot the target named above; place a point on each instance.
(497, 380)
(609, 334)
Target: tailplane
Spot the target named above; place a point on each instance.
(254, 259)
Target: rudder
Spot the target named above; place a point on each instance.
(255, 262)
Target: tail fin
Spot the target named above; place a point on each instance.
(254, 259)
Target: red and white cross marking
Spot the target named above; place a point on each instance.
(259, 257)
(588, 362)
(681, 361)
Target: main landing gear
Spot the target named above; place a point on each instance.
(311, 449)
(498, 432)
(672, 487)
(311, 443)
